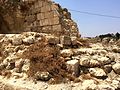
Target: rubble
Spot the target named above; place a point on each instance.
(50, 61)
(73, 67)
(97, 72)
(116, 68)
(52, 52)
(44, 76)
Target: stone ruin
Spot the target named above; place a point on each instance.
(43, 43)
(43, 16)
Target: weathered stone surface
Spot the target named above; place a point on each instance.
(44, 76)
(88, 62)
(89, 85)
(105, 87)
(73, 66)
(116, 84)
(12, 58)
(107, 68)
(17, 41)
(103, 60)
(53, 40)
(98, 64)
(41, 14)
(29, 40)
(65, 40)
(66, 53)
(116, 68)
(97, 72)
(26, 65)
(19, 63)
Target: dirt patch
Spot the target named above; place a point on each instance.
(45, 58)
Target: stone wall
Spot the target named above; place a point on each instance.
(47, 17)
(43, 16)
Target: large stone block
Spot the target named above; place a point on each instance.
(116, 68)
(57, 27)
(54, 21)
(37, 10)
(40, 16)
(65, 40)
(36, 5)
(41, 22)
(45, 22)
(73, 67)
(46, 8)
(40, 3)
(51, 14)
(54, 13)
(46, 29)
(53, 40)
(54, 7)
(66, 53)
(31, 18)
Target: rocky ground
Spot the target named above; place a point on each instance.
(37, 61)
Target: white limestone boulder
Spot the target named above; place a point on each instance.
(116, 68)
(73, 66)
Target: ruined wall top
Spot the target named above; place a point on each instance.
(43, 16)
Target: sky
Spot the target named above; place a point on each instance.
(91, 25)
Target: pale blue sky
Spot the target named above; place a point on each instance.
(90, 25)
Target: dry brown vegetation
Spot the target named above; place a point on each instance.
(45, 58)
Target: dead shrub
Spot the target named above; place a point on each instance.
(45, 58)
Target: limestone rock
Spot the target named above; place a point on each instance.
(44, 76)
(116, 49)
(116, 84)
(2, 36)
(65, 40)
(66, 53)
(105, 40)
(89, 85)
(17, 41)
(26, 65)
(2, 66)
(105, 87)
(11, 58)
(73, 66)
(10, 66)
(102, 59)
(79, 51)
(19, 63)
(107, 68)
(29, 40)
(97, 72)
(89, 62)
(53, 40)
(116, 68)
